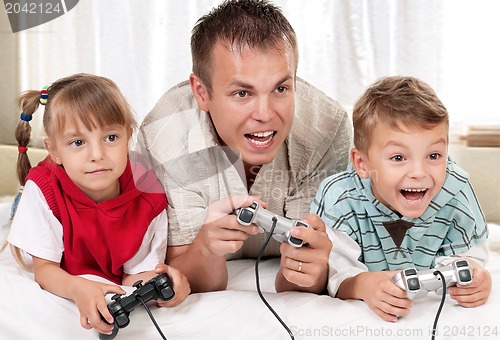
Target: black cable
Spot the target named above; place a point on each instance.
(257, 281)
(443, 297)
(151, 317)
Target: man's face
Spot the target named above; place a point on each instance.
(252, 100)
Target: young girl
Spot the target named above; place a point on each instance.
(81, 211)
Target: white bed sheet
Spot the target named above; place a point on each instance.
(28, 312)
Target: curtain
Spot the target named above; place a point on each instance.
(344, 45)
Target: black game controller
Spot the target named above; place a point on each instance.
(418, 283)
(264, 218)
(158, 287)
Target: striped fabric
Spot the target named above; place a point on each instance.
(452, 223)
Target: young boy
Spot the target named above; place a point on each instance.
(403, 200)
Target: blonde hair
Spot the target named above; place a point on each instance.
(398, 101)
(93, 100)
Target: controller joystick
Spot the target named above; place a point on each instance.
(417, 284)
(120, 307)
(264, 219)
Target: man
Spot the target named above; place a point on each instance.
(235, 129)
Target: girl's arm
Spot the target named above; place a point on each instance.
(152, 255)
(88, 295)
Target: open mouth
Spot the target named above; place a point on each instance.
(413, 195)
(261, 138)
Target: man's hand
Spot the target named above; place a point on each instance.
(221, 234)
(305, 268)
(204, 261)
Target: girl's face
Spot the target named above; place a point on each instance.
(93, 159)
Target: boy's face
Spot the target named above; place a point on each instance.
(407, 168)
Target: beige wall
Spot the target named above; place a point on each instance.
(8, 178)
(483, 166)
(9, 84)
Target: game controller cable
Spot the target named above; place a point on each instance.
(441, 304)
(143, 303)
(148, 310)
(159, 287)
(418, 283)
(257, 281)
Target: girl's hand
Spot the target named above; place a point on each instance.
(89, 297)
(180, 285)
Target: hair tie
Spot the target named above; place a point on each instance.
(26, 117)
(22, 149)
(44, 94)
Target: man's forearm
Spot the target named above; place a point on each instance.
(205, 272)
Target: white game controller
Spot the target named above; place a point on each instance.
(418, 283)
(264, 218)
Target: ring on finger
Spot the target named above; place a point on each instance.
(300, 267)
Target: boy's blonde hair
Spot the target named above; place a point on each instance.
(398, 101)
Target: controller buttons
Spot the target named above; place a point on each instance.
(137, 284)
(122, 320)
(245, 216)
(410, 271)
(116, 297)
(413, 284)
(464, 276)
(167, 293)
(295, 240)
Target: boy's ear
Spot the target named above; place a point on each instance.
(358, 161)
(200, 91)
(51, 148)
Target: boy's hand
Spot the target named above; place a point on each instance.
(378, 291)
(477, 292)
